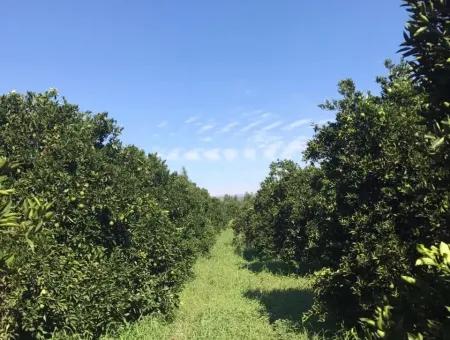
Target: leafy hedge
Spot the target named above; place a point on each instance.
(124, 232)
(377, 185)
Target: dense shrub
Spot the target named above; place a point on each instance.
(371, 201)
(383, 188)
(422, 308)
(281, 219)
(375, 156)
(125, 230)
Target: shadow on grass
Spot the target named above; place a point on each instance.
(249, 254)
(257, 263)
(277, 267)
(287, 304)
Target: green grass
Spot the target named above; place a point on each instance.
(233, 298)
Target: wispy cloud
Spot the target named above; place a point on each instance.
(191, 120)
(230, 154)
(297, 123)
(271, 150)
(206, 139)
(162, 124)
(252, 125)
(229, 127)
(212, 154)
(295, 148)
(272, 126)
(192, 155)
(263, 138)
(249, 153)
(174, 154)
(206, 127)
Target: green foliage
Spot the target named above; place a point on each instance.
(124, 234)
(20, 225)
(376, 160)
(281, 219)
(427, 47)
(360, 211)
(421, 310)
(427, 43)
(383, 187)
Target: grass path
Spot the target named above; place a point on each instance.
(231, 298)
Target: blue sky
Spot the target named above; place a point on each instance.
(220, 87)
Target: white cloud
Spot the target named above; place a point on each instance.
(162, 124)
(297, 123)
(270, 151)
(212, 154)
(191, 120)
(294, 148)
(249, 153)
(206, 139)
(229, 127)
(272, 126)
(173, 154)
(262, 138)
(192, 155)
(230, 154)
(252, 125)
(206, 127)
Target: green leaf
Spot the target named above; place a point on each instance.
(444, 249)
(420, 31)
(438, 142)
(30, 243)
(424, 18)
(409, 279)
(425, 261)
(9, 261)
(368, 321)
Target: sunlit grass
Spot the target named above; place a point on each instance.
(230, 299)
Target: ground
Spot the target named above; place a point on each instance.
(232, 297)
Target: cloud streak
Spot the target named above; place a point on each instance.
(272, 126)
(191, 120)
(294, 148)
(206, 127)
(230, 154)
(271, 150)
(250, 126)
(229, 127)
(206, 139)
(192, 155)
(249, 153)
(162, 124)
(297, 123)
(173, 155)
(212, 154)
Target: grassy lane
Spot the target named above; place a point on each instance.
(231, 298)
